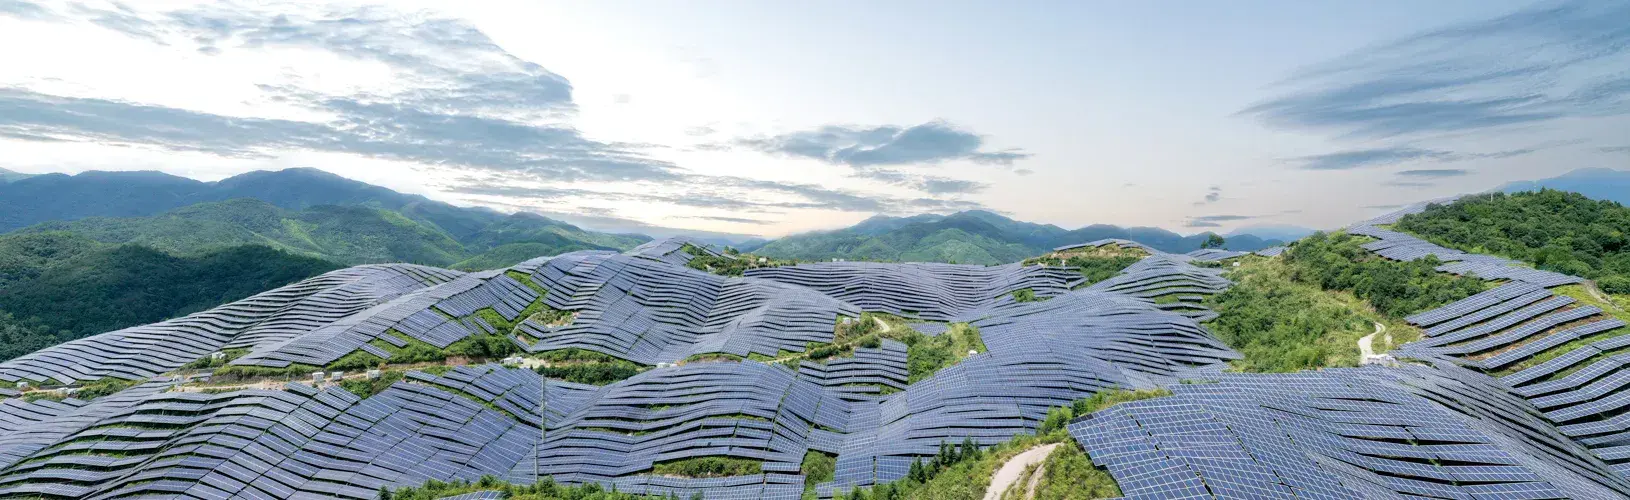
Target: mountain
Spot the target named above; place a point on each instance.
(49, 197)
(971, 237)
(350, 234)
(1281, 232)
(27, 200)
(1597, 183)
(55, 287)
(9, 176)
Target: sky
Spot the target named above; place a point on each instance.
(770, 117)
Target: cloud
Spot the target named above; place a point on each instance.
(464, 102)
(1363, 158)
(1024, 171)
(1201, 223)
(1557, 60)
(622, 98)
(375, 130)
(26, 10)
(1409, 184)
(1222, 218)
(927, 143)
(1615, 149)
(699, 131)
(1383, 207)
(1213, 195)
(1452, 172)
(737, 220)
(949, 186)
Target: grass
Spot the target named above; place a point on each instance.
(926, 355)
(1282, 324)
(1094, 264)
(817, 467)
(1583, 295)
(705, 467)
(365, 388)
(1069, 473)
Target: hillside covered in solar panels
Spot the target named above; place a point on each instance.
(644, 373)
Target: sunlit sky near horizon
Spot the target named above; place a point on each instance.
(771, 117)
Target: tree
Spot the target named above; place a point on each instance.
(1213, 241)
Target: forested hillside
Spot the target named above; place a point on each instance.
(341, 234)
(972, 237)
(1554, 230)
(56, 287)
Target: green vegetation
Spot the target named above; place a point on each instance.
(86, 390)
(1025, 295)
(544, 490)
(365, 387)
(709, 467)
(586, 367)
(926, 355)
(1610, 306)
(733, 264)
(209, 361)
(1069, 475)
(59, 287)
(1057, 418)
(1396, 289)
(349, 235)
(1213, 241)
(817, 468)
(244, 373)
(1094, 264)
(1283, 325)
(972, 237)
(963, 472)
(18, 338)
(1554, 230)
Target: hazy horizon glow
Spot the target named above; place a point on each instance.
(770, 118)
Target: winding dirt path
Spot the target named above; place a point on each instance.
(1014, 468)
(1366, 343)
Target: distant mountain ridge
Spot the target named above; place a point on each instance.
(32, 199)
(345, 234)
(971, 237)
(1595, 183)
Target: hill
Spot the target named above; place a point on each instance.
(34, 199)
(56, 287)
(1553, 230)
(971, 237)
(8, 176)
(1596, 183)
(352, 234)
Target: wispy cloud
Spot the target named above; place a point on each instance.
(1557, 60)
(1408, 184)
(736, 220)
(23, 9)
(931, 142)
(1364, 158)
(1213, 195)
(1447, 172)
(461, 103)
(1615, 149)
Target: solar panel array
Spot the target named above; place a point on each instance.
(1214, 254)
(1545, 429)
(928, 291)
(438, 315)
(647, 311)
(1344, 433)
(302, 441)
(266, 318)
(1403, 247)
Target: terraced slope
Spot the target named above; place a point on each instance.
(696, 416)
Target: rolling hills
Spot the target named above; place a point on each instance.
(971, 237)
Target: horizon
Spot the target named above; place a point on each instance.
(1194, 121)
